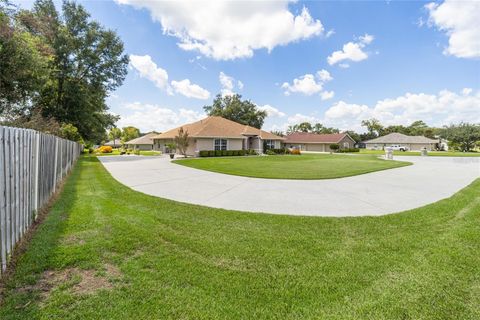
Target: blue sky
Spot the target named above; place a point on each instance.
(396, 61)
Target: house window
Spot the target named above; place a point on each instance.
(346, 145)
(269, 144)
(220, 144)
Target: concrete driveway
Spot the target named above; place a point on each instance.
(430, 179)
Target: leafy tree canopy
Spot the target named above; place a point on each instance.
(129, 133)
(464, 136)
(232, 107)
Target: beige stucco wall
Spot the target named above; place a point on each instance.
(140, 146)
(319, 147)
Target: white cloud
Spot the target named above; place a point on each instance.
(326, 95)
(352, 51)
(309, 84)
(228, 84)
(150, 117)
(149, 70)
(435, 109)
(460, 21)
(190, 90)
(272, 111)
(230, 30)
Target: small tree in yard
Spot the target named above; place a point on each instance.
(181, 141)
(334, 147)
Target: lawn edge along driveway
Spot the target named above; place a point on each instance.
(426, 181)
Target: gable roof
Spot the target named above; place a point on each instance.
(218, 127)
(145, 139)
(307, 137)
(399, 138)
(113, 143)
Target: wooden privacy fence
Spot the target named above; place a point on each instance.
(31, 165)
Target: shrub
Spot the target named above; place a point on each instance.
(252, 152)
(241, 152)
(203, 153)
(218, 153)
(224, 153)
(270, 152)
(296, 152)
(230, 153)
(349, 150)
(334, 147)
(211, 153)
(104, 149)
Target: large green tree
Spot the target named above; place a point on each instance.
(464, 136)
(24, 59)
(85, 62)
(232, 107)
(129, 133)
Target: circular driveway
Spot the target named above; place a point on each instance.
(428, 180)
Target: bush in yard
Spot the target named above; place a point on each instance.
(334, 147)
(230, 153)
(270, 152)
(252, 152)
(296, 152)
(224, 153)
(347, 150)
(241, 152)
(218, 153)
(211, 153)
(104, 149)
(203, 153)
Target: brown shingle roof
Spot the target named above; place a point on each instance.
(145, 139)
(212, 127)
(398, 138)
(305, 137)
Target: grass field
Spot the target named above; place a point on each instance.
(430, 153)
(305, 166)
(107, 252)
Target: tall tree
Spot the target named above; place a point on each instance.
(129, 133)
(115, 133)
(232, 107)
(464, 136)
(373, 126)
(87, 63)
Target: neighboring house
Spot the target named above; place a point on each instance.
(217, 133)
(116, 143)
(414, 143)
(318, 142)
(144, 142)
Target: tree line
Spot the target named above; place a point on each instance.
(57, 69)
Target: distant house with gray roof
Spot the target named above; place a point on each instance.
(144, 142)
(414, 143)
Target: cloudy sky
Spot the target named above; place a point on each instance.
(331, 62)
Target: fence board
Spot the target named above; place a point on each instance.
(31, 166)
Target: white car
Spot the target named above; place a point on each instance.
(397, 147)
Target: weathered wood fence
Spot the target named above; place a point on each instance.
(31, 165)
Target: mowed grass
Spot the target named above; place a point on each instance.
(305, 166)
(430, 153)
(181, 261)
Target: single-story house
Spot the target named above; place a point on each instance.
(144, 142)
(115, 143)
(318, 142)
(217, 133)
(414, 143)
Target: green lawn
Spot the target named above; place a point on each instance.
(305, 166)
(430, 153)
(133, 256)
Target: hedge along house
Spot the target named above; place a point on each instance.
(217, 133)
(414, 143)
(144, 142)
(318, 142)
